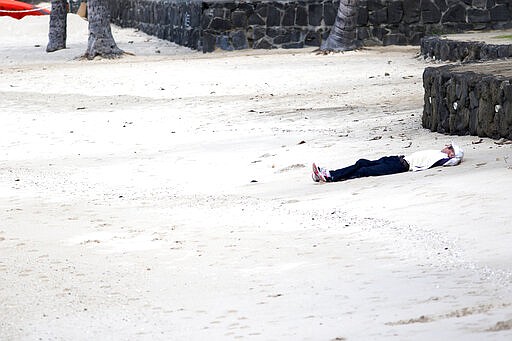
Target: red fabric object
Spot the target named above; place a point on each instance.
(18, 9)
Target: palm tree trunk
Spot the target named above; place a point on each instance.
(58, 23)
(343, 32)
(101, 42)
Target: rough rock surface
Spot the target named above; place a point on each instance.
(471, 99)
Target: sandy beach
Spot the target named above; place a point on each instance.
(167, 195)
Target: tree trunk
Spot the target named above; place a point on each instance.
(343, 32)
(58, 23)
(101, 42)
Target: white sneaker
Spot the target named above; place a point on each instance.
(320, 174)
(315, 177)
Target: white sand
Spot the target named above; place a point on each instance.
(128, 211)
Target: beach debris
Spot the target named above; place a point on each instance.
(252, 181)
(376, 138)
(477, 142)
(501, 325)
(421, 319)
(294, 166)
(302, 142)
(506, 162)
(276, 295)
(503, 141)
(409, 145)
(90, 241)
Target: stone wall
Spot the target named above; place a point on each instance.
(462, 51)
(241, 25)
(207, 25)
(474, 99)
(233, 25)
(404, 22)
(177, 21)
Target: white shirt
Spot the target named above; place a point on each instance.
(424, 159)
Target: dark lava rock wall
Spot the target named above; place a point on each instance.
(468, 102)
(234, 25)
(266, 24)
(230, 25)
(177, 21)
(403, 22)
(464, 51)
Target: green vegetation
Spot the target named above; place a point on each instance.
(507, 36)
(436, 31)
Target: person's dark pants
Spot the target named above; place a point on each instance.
(384, 166)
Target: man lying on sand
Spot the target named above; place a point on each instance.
(450, 155)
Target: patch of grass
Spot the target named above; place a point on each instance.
(507, 36)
